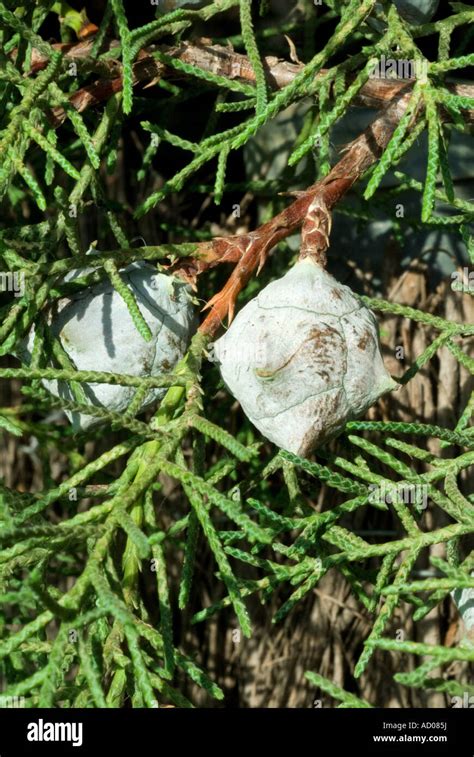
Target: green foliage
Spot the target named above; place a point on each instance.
(77, 627)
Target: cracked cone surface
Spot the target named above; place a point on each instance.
(303, 358)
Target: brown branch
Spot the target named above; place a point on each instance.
(250, 250)
(216, 59)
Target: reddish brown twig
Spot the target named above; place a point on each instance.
(251, 250)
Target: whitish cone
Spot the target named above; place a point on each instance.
(97, 332)
(303, 358)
